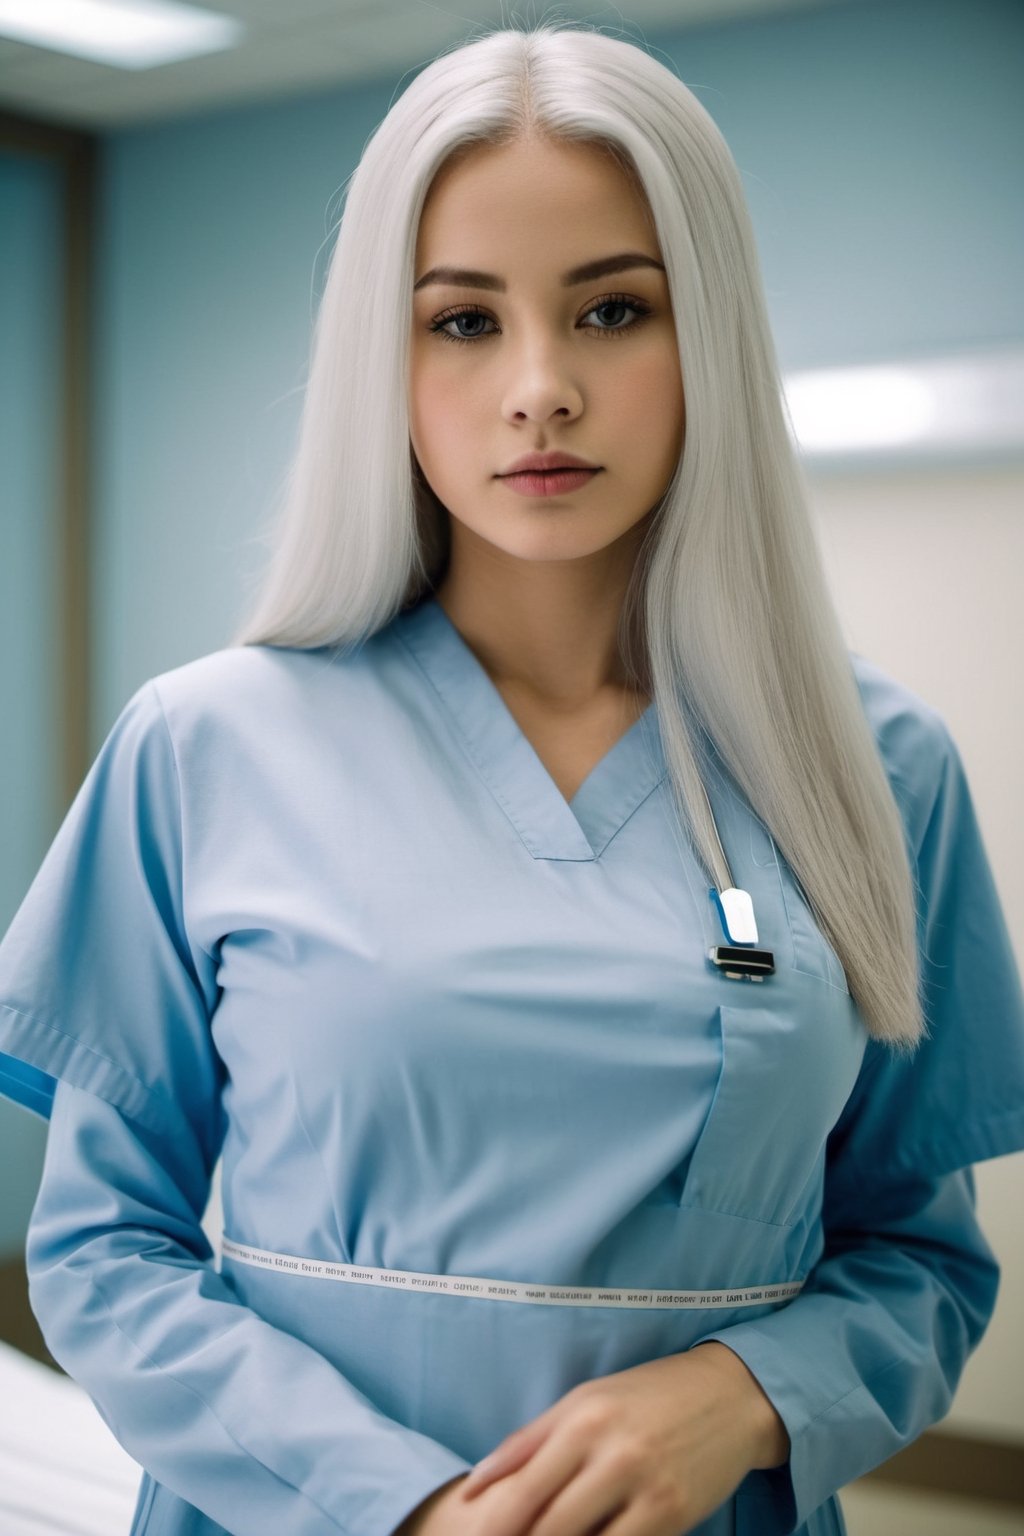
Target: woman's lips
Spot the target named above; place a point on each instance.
(548, 482)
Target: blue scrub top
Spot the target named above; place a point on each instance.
(492, 1123)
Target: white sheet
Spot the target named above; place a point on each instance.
(62, 1473)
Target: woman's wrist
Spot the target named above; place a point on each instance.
(414, 1521)
(769, 1438)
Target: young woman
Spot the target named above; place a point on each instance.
(589, 970)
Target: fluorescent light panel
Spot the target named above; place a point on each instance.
(970, 403)
(133, 34)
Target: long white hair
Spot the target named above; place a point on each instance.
(728, 622)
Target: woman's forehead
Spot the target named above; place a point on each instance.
(577, 191)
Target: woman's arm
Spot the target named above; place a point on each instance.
(417, 1522)
(770, 1441)
(106, 1009)
(870, 1353)
(237, 1417)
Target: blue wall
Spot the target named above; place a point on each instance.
(880, 143)
(30, 360)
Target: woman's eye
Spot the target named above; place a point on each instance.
(607, 327)
(610, 328)
(441, 324)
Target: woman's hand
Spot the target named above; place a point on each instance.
(650, 1451)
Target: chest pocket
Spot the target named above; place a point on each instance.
(791, 1049)
(788, 1065)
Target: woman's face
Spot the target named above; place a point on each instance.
(534, 362)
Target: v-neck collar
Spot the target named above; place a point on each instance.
(550, 826)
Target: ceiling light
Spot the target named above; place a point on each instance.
(129, 34)
(972, 403)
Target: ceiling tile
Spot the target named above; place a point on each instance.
(299, 45)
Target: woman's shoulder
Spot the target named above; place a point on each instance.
(916, 746)
(250, 685)
(912, 735)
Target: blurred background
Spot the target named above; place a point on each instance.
(167, 209)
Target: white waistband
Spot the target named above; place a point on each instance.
(479, 1288)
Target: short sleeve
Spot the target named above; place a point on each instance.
(959, 1097)
(99, 983)
(106, 1019)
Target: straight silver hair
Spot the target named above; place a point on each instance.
(728, 622)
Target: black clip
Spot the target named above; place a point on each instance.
(743, 962)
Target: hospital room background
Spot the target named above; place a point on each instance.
(164, 235)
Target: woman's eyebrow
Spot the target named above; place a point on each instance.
(464, 277)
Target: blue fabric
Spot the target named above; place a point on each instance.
(328, 917)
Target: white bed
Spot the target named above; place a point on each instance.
(62, 1473)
